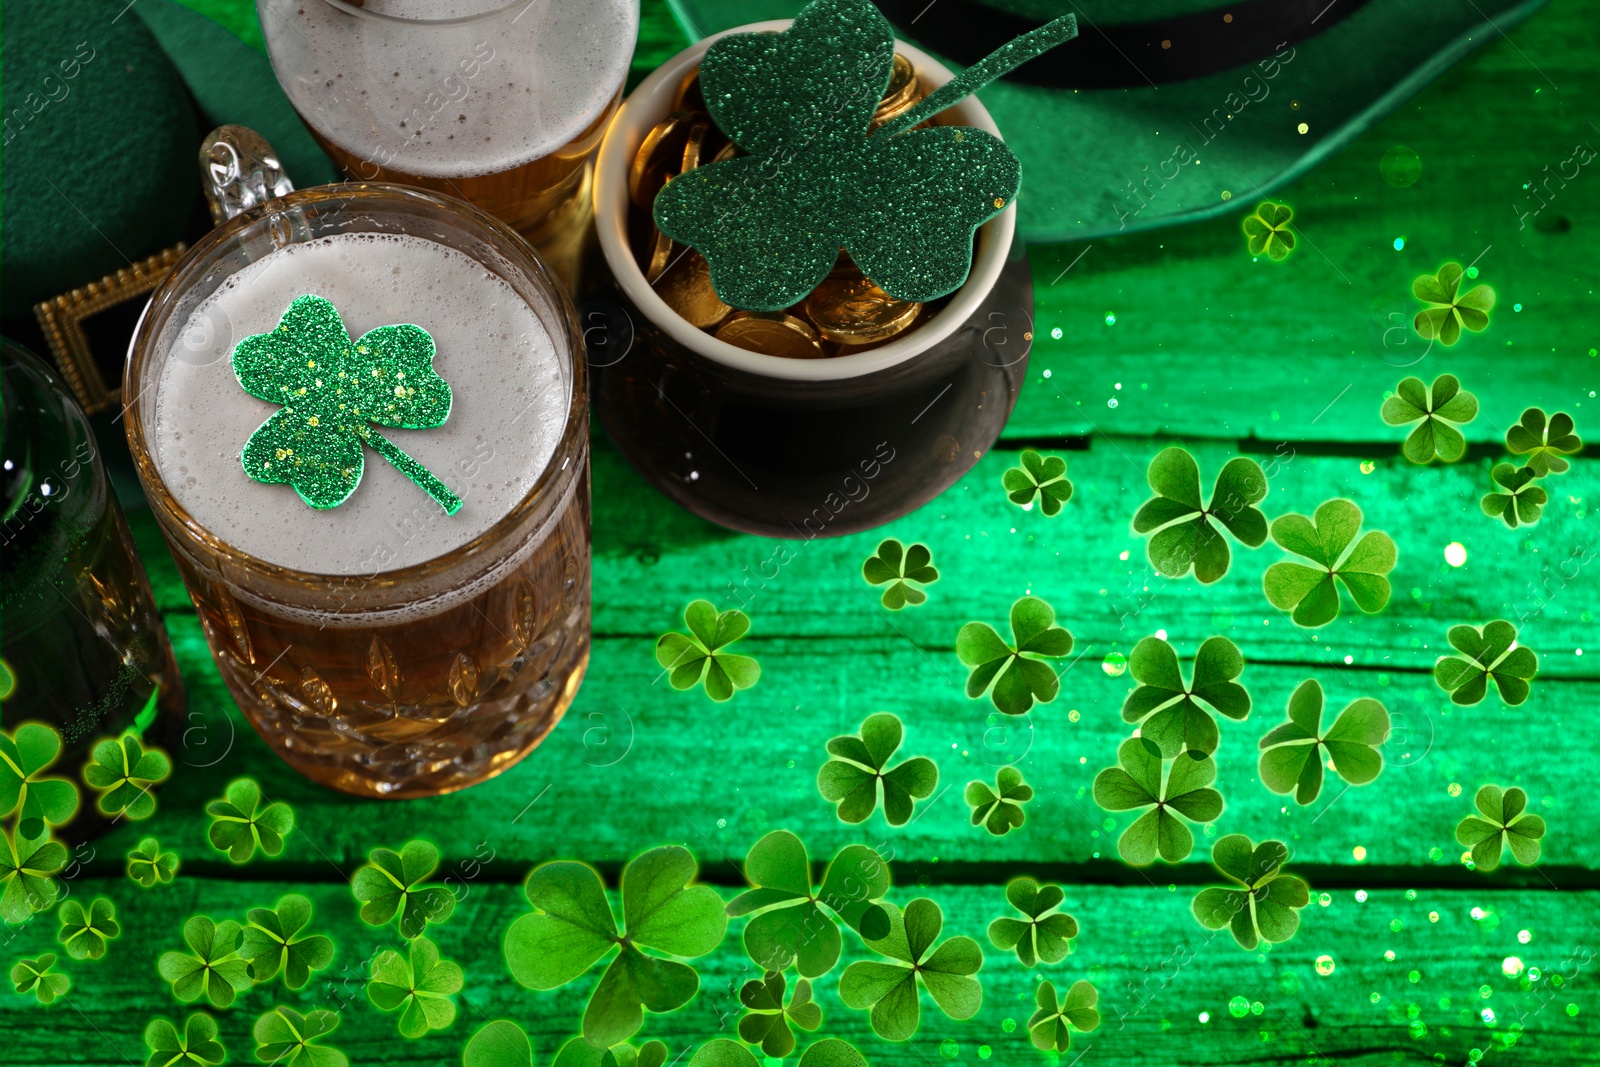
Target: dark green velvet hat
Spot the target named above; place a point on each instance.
(1164, 111)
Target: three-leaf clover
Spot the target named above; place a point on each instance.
(1052, 1024)
(1310, 592)
(572, 928)
(196, 1046)
(85, 931)
(503, 1043)
(905, 568)
(1170, 712)
(579, 1053)
(1018, 674)
(697, 656)
(890, 989)
(851, 778)
(1447, 311)
(1291, 757)
(720, 1052)
(1184, 535)
(1046, 935)
(391, 884)
(1439, 407)
(1138, 783)
(1522, 500)
(1267, 230)
(35, 976)
(1492, 652)
(1041, 477)
(1506, 821)
(24, 757)
(215, 970)
(239, 825)
(285, 1038)
(767, 1018)
(999, 810)
(271, 944)
(147, 864)
(1546, 444)
(27, 867)
(123, 770)
(1264, 908)
(421, 985)
(790, 923)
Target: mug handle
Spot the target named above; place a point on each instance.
(239, 171)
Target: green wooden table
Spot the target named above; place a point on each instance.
(1177, 336)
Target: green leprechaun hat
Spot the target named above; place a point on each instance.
(1166, 111)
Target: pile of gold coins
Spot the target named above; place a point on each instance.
(846, 313)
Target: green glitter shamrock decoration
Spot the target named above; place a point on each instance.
(1041, 477)
(419, 985)
(1505, 822)
(1046, 935)
(1310, 592)
(85, 932)
(197, 1046)
(147, 864)
(572, 928)
(792, 924)
(215, 970)
(1439, 408)
(1264, 909)
(285, 1038)
(890, 989)
(905, 568)
(1170, 712)
(390, 885)
(1490, 652)
(1184, 536)
(1448, 312)
(123, 771)
(331, 389)
(27, 867)
(271, 943)
(903, 202)
(24, 757)
(239, 825)
(35, 976)
(1267, 231)
(1522, 501)
(1291, 756)
(1052, 1025)
(851, 778)
(720, 1052)
(999, 810)
(697, 657)
(1018, 674)
(1137, 783)
(767, 1018)
(1545, 443)
(503, 1043)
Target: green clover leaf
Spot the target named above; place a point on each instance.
(501, 1043)
(579, 1053)
(147, 864)
(1041, 477)
(720, 1052)
(1310, 592)
(85, 932)
(767, 1018)
(1447, 312)
(1290, 752)
(123, 771)
(27, 869)
(1046, 935)
(851, 778)
(197, 1046)
(1490, 652)
(239, 825)
(285, 1038)
(24, 757)
(1137, 783)
(790, 923)
(419, 987)
(34, 976)
(572, 928)
(1440, 408)
(391, 885)
(999, 810)
(1265, 908)
(890, 989)
(1267, 231)
(698, 657)
(1169, 711)
(1506, 821)
(905, 568)
(1018, 674)
(214, 970)
(1522, 500)
(1544, 443)
(271, 943)
(1053, 1024)
(1184, 536)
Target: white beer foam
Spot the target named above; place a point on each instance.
(509, 409)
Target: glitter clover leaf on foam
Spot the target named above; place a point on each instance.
(903, 202)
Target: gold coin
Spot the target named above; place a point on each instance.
(689, 96)
(771, 333)
(694, 146)
(850, 309)
(902, 94)
(686, 287)
(728, 151)
(659, 157)
(660, 249)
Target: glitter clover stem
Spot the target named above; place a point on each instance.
(419, 474)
